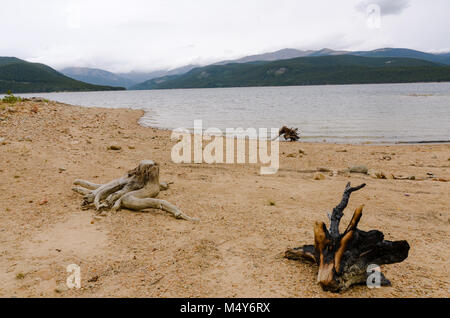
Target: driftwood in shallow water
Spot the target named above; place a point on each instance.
(291, 134)
(136, 190)
(344, 259)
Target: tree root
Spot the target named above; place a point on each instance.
(345, 259)
(291, 134)
(135, 191)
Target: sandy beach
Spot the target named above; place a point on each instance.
(247, 220)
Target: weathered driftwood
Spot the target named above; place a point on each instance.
(136, 190)
(343, 259)
(290, 134)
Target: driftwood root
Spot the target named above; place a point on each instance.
(291, 134)
(344, 259)
(136, 191)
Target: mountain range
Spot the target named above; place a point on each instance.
(137, 80)
(285, 54)
(20, 76)
(311, 70)
(282, 67)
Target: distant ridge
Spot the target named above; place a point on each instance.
(283, 54)
(97, 77)
(395, 52)
(21, 76)
(139, 77)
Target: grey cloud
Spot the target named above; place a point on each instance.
(388, 7)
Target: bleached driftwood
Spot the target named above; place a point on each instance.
(344, 259)
(136, 190)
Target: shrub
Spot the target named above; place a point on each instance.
(10, 98)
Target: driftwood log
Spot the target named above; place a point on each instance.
(344, 258)
(136, 190)
(291, 134)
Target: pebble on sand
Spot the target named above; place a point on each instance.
(61, 288)
(319, 176)
(114, 147)
(378, 175)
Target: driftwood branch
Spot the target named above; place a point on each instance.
(343, 259)
(136, 190)
(338, 211)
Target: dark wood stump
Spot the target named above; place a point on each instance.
(291, 134)
(344, 259)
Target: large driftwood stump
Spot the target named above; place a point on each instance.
(136, 190)
(344, 259)
(291, 134)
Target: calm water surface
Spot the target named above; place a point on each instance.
(385, 113)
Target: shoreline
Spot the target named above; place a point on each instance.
(302, 141)
(307, 85)
(247, 220)
(423, 142)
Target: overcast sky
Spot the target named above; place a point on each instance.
(145, 35)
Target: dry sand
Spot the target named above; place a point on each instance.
(237, 248)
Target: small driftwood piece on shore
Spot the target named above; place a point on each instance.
(136, 191)
(291, 134)
(343, 259)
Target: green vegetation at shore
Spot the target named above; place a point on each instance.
(10, 98)
(23, 77)
(323, 70)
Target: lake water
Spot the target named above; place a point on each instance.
(381, 113)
